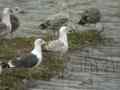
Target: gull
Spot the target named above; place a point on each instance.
(9, 22)
(92, 17)
(15, 22)
(61, 44)
(33, 59)
(5, 24)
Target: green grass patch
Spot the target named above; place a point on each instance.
(10, 48)
(89, 38)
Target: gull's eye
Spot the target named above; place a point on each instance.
(11, 11)
(41, 41)
(16, 9)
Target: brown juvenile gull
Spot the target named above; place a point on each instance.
(92, 17)
(61, 44)
(33, 59)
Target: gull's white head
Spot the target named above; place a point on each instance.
(39, 42)
(63, 29)
(6, 10)
(16, 10)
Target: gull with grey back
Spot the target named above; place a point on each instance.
(61, 44)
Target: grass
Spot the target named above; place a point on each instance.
(89, 38)
(11, 48)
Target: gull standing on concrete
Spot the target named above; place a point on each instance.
(15, 22)
(9, 23)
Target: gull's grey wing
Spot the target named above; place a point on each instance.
(14, 22)
(55, 45)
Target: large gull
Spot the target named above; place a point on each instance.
(15, 23)
(14, 19)
(9, 22)
(61, 44)
(33, 59)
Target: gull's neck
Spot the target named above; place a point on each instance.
(6, 20)
(37, 51)
(63, 38)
